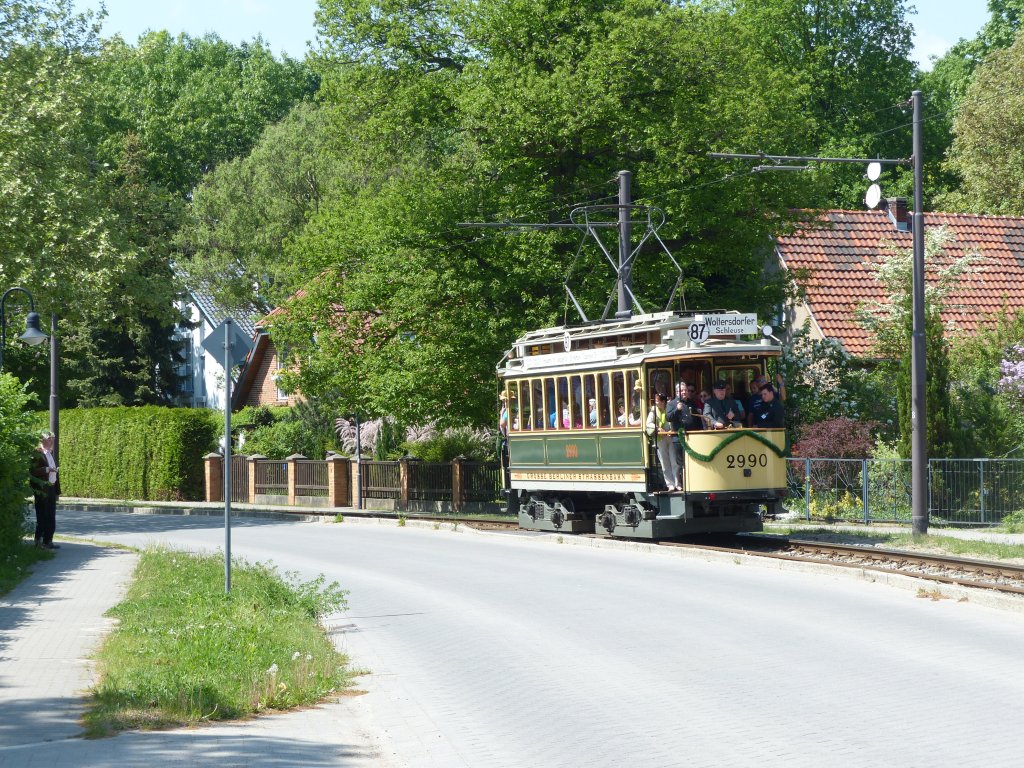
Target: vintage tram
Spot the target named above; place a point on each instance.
(579, 459)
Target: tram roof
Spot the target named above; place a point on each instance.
(671, 343)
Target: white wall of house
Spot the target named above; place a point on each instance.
(202, 375)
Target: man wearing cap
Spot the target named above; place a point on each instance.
(721, 411)
(768, 413)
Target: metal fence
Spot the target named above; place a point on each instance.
(381, 479)
(481, 482)
(969, 492)
(239, 478)
(310, 478)
(271, 477)
(430, 481)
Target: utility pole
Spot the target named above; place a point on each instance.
(625, 282)
(918, 410)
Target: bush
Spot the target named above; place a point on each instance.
(306, 428)
(17, 440)
(840, 438)
(473, 444)
(148, 453)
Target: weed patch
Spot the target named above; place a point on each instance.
(184, 652)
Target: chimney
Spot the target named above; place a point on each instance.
(896, 207)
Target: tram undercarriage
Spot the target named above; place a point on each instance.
(642, 515)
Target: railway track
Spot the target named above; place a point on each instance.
(966, 572)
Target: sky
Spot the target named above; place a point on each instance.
(287, 25)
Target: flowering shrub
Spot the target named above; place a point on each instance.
(1012, 369)
(378, 438)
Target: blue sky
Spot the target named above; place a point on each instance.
(287, 25)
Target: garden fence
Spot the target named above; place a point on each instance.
(966, 492)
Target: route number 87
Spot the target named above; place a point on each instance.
(698, 332)
(744, 460)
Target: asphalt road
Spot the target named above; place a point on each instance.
(502, 650)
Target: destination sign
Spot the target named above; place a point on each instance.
(704, 326)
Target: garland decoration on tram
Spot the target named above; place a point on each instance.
(708, 457)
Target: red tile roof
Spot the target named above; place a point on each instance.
(838, 248)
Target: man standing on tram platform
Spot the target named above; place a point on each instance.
(768, 413)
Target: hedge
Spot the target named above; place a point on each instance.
(146, 453)
(18, 439)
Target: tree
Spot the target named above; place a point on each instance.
(891, 322)
(988, 148)
(495, 111)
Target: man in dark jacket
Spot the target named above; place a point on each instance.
(679, 414)
(46, 489)
(722, 411)
(768, 413)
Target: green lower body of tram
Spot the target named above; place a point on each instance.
(608, 482)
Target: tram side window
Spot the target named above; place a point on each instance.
(551, 404)
(660, 383)
(563, 421)
(698, 374)
(590, 390)
(618, 393)
(738, 377)
(540, 418)
(513, 405)
(579, 406)
(521, 414)
(603, 399)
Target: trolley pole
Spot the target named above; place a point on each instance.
(625, 286)
(918, 409)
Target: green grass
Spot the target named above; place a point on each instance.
(982, 550)
(184, 652)
(16, 563)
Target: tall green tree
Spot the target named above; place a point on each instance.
(891, 325)
(988, 148)
(496, 111)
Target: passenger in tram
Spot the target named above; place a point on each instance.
(721, 411)
(592, 416)
(620, 414)
(659, 428)
(679, 416)
(755, 397)
(636, 406)
(741, 412)
(768, 414)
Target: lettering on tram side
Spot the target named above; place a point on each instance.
(608, 477)
(572, 451)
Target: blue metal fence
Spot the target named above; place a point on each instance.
(967, 492)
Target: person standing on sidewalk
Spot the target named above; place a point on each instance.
(46, 488)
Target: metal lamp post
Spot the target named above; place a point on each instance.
(34, 336)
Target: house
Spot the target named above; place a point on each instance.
(834, 251)
(257, 381)
(200, 376)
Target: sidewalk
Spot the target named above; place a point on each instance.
(51, 623)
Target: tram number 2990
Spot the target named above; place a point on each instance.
(746, 460)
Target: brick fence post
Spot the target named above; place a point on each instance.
(252, 476)
(458, 477)
(339, 475)
(214, 476)
(293, 476)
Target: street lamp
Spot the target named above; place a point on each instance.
(34, 336)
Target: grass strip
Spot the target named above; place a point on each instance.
(16, 563)
(935, 542)
(184, 652)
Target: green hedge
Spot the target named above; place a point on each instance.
(147, 453)
(17, 441)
